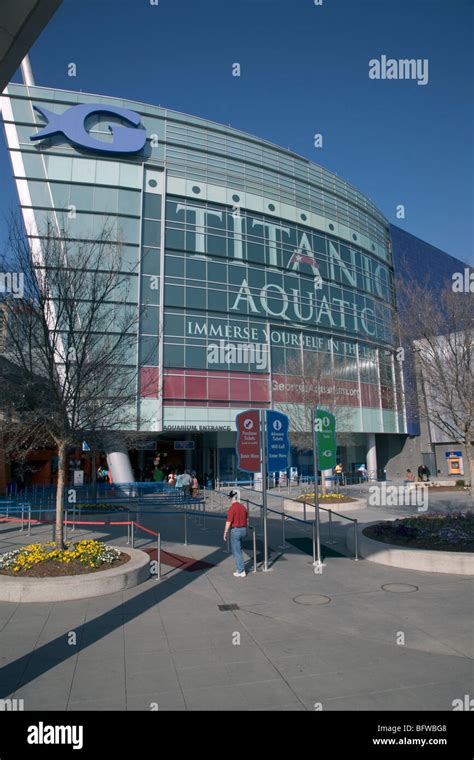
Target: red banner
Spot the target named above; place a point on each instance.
(248, 440)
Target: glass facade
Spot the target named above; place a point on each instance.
(245, 262)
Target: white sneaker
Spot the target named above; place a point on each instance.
(239, 575)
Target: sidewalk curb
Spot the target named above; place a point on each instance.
(71, 587)
(424, 560)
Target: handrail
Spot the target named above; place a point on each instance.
(286, 516)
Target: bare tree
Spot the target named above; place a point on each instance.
(437, 328)
(68, 370)
(311, 384)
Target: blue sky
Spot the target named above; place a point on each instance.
(304, 70)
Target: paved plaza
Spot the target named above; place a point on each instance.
(357, 636)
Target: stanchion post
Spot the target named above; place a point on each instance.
(304, 510)
(29, 520)
(283, 544)
(314, 542)
(318, 537)
(132, 534)
(22, 517)
(254, 540)
(330, 526)
(65, 525)
(356, 540)
(158, 557)
(185, 526)
(73, 518)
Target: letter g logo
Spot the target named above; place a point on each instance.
(71, 124)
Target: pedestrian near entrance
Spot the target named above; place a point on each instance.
(236, 527)
(339, 473)
(179, 485)
(195, 487)
(186, 480)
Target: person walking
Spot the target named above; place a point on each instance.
(236, 525)
(339, 473)
(179, 485)
(195, 487)
(187, 481)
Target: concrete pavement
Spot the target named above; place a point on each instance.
(357, 636)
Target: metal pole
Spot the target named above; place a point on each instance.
(74, 517)
(132, 530)
(29, 520)
(128, 531)
(304, 510)
(356, 540)
(314, 543)
(65, 525)
(316, 497)
(263, 445)
(318, 537)
(254, 550)
(330, 527)
(22, 517)
(185, 527)
(283, 545)
(27, 72)
(158, 556)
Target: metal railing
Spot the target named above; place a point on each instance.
(131, 524)
(314, 524)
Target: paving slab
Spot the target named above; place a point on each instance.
(293, 639)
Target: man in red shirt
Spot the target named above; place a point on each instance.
(236, 523)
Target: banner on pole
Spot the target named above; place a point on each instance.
(248, 448)
(278, 444)
(325, 428)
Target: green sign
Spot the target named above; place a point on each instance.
(325, 428)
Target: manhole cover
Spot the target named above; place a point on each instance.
(399, 588)
(311, 599)
(228, 607)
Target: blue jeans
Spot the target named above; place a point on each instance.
(237, 536)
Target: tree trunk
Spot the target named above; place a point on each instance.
(62, 469)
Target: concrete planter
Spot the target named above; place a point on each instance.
(425, 560)
(70, 587)
(298, 509)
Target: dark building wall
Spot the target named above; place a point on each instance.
(415, 260)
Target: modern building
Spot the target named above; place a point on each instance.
(244, 259)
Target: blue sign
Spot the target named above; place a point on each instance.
(278, 444)
(72, 123)
(186, 445)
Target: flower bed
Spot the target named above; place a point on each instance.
(98, 508)
(453, 532)
(329, 498)
(46, 561)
